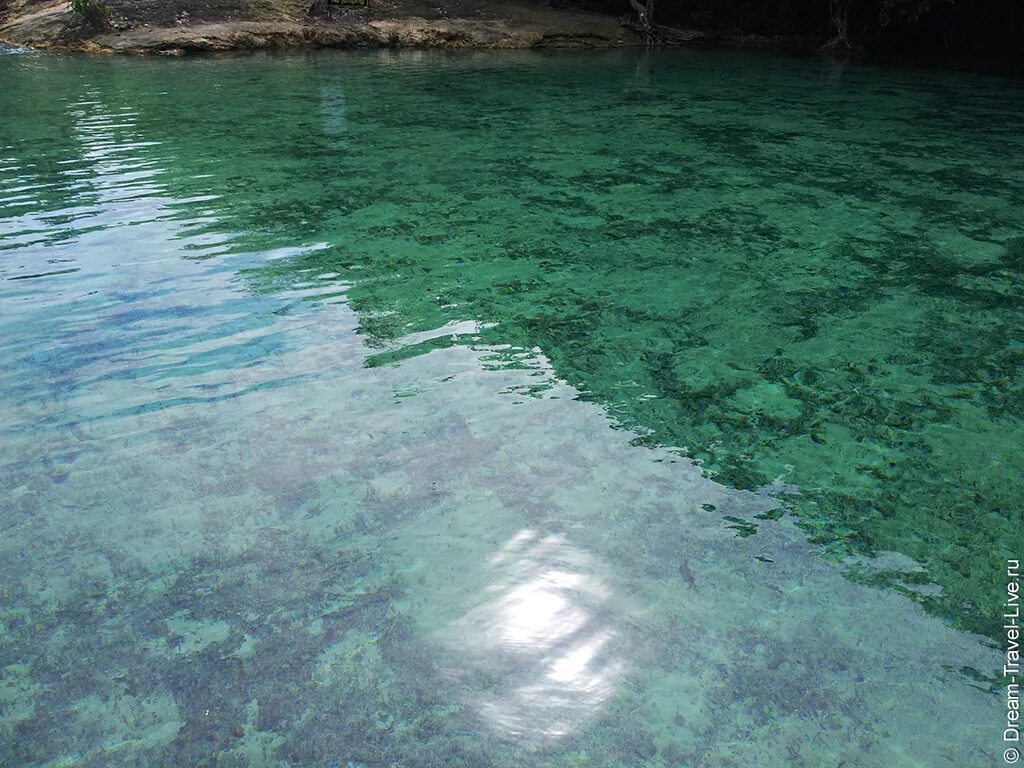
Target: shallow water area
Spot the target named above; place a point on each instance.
(506, 409)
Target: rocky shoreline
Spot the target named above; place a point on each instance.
(52, 25)
(175, 27)
(418, 33)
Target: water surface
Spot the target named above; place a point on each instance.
(509, 409)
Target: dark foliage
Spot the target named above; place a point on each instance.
(979, 28)
(93, 13)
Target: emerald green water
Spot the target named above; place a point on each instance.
(420, 409)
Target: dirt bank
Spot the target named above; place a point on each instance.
(178, 26)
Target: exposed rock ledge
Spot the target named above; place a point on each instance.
(503, 25)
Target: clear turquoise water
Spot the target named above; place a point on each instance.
(506, 409)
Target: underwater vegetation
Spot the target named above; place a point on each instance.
(781, 291)
(420, 418)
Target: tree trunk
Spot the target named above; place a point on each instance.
(645, 17)
(840, 23)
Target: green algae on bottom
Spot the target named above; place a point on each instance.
(420, 418)
(779, 290)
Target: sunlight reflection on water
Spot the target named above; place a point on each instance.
(543, 631)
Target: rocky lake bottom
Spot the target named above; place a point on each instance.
(500, 409)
